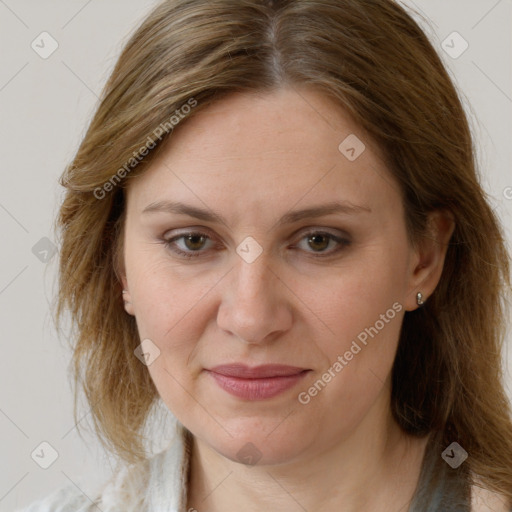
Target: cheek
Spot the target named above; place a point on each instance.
(166, 296)
(361, 311)
(172, 311)
(358, 365)
(363, 293)
(173, 314)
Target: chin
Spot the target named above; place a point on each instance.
(253, 445)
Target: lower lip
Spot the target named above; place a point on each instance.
(257, 389)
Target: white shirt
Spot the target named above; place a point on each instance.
(156, 485)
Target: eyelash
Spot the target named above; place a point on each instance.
(170, 243)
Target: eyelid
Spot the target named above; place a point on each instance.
(309, 230)
(186, 231)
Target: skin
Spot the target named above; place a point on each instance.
(253, 158)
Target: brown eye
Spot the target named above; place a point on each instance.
(189, 245)
(194, 241)
(318, 242)
(322, 243)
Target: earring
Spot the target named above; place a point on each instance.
(419, 299)
(125, 301)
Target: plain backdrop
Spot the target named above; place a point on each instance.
(45, 105)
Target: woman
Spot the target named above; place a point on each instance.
(274, 225)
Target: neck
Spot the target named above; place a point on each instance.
(376, 456)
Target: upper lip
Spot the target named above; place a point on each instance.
(243, 371)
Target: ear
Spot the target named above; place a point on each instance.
(127, 299)
(429, 256)
(120, 271)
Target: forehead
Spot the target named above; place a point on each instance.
(250, 125)
(274, 148)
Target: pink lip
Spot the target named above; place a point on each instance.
(256, 383)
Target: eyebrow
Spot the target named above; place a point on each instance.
(207, 215)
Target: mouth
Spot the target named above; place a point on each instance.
(257, 383)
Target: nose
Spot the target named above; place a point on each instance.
(254, 305)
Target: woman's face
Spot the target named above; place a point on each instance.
(297, 257)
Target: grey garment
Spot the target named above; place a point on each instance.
(441, 488)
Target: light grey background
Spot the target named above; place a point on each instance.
(45, 106)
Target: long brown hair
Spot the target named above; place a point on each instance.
(374, 60)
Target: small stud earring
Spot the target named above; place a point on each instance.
(125, 301)
(419, 299)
